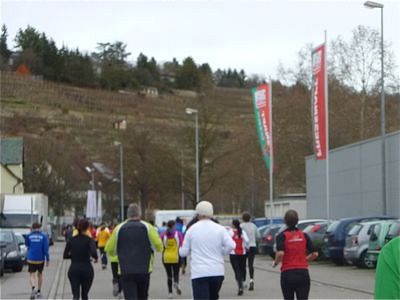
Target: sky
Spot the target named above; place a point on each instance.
(252, 35)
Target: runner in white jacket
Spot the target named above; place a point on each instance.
(206, 242)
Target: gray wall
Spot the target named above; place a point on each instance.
(355, 180)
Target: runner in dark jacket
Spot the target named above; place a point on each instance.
(80, 249)
(133, 241)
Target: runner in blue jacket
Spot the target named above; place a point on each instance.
(38, 253)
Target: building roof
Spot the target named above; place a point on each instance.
(11, 151)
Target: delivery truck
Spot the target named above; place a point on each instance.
(19, 211)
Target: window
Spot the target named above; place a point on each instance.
(18, 220)
(333, 226)
(355, 230)
(6, 237)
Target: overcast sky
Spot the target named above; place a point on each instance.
(253, 35)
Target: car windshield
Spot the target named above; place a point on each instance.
(308, 229)
(6, 237)
(304, 225)
(355, 230)
(333, 226)
(20, 239)
(377, 229)
(394, 229)
(18, 220)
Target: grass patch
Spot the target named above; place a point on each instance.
(12, 100)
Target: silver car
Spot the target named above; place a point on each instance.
(21, 244)
(357, 240)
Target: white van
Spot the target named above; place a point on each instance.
(161, 216)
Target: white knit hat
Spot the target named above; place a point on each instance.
(205, 208)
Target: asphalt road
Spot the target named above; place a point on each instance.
(328, 282)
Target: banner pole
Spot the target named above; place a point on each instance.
(328, 213)
(271, 164)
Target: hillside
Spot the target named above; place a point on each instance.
(160, 136)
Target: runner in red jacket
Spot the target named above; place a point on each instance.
(293, 247)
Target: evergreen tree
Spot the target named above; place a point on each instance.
(187, 76)
(5, 53)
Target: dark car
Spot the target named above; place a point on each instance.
(13, 258)
(316, 232)
(2, 257)
(394, 231)
(335, 236)
(266, 221)
(266, 244)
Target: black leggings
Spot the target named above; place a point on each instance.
(297, 282)
(116, 276)
(135, 286)
(172, 271)
(80, 276)
(238, 263)
(250, 261)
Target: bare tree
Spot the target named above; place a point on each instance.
(356, 64)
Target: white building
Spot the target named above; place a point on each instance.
(298, 202)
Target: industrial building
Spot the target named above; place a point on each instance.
(355, 180)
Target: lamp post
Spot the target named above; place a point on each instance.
(121, 176)
(195, 112)
(91, 171)
(372, 5)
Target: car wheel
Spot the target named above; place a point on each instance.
(365, 262)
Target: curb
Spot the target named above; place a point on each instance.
(54, 288)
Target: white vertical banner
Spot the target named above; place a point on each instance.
(99, 207)
(91, 205)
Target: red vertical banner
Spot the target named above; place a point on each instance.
(318, 101)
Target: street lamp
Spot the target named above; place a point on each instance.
(121, 174)
(91, 171)
(195, 112)
(372, 5)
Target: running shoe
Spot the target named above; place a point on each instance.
(33, 295)
(240, 292)
(178, 290)
(251, 285)
(38, 295)
(170, 296)
(115, 291)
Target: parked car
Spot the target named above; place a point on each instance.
(377, 239)
(335, 236)
(22, 247)
(2, 258)
(394, 231)
(356, 247)
(259, 222)
(316, 232)
(266, 245)
(13, 259)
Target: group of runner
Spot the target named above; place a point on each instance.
(130, 248)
